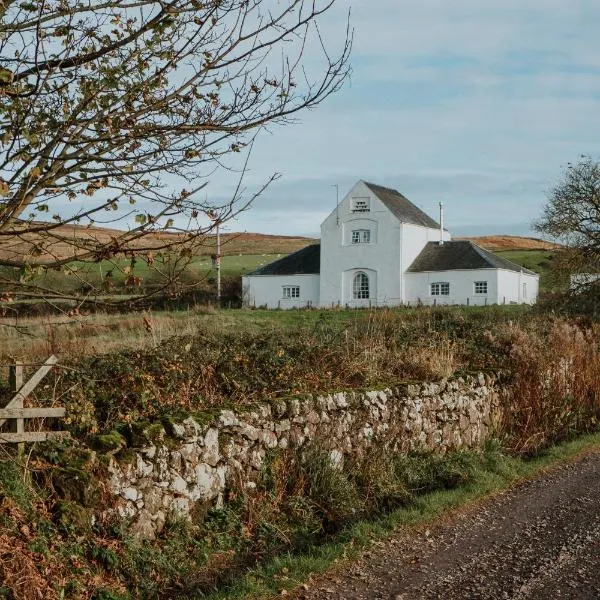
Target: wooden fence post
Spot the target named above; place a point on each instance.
(15, 379)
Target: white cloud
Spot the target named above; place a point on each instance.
(478, 103)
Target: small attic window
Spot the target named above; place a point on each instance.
(361, 205)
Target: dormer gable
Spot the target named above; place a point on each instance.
(366, 200)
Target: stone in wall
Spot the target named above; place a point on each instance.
(169, 479)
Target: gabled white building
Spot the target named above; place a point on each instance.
(379, 249)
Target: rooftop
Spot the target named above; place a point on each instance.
(306, 261)
(460, 255)
(401, 207)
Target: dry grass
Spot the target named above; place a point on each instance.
(33, 339)
(511, 242)
(242, 356)
(555, 383)
(232, 243)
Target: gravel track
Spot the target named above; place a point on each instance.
(540, 540)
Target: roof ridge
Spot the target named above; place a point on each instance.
(482, 252)
(400, 206)
(488, 255)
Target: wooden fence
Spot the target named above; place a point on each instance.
(14, 415)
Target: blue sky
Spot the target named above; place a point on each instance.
(477, 104)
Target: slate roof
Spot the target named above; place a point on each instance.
(402, 207)
(306, 261)
(460, 255)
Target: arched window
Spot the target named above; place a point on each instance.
(360, 286)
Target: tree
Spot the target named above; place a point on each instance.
(119, 111)
(572, 217)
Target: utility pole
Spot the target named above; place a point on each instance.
(218, 264)
(216, 258)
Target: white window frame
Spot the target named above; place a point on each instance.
(361, 205)
(291, 292)
(440, 288)
(361, 236)
(361, 286)
(480, 288)
(524, 290)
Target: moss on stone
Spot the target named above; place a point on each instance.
(108, 443)
(73, 518)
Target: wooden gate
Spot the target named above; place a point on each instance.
(15, 414)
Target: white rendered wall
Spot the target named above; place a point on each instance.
(462, 287)
(267, 290)
(510, 287)
(503, 287)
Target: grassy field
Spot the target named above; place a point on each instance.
(540, 261)
(35, 338)
(74, 279)
(77, 277)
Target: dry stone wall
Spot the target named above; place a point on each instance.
(190, 464)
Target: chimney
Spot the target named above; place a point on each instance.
(441, 223)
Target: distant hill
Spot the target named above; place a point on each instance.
(231, 243)
(497, 243)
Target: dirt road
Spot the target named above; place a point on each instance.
(539, 541)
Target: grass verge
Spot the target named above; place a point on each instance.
(496, 473)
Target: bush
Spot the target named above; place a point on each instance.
(554, 382)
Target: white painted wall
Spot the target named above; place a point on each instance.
(267, 290)
(462, 287)
(511, 290)
(341, 260)
(579, 281)
(503, 287)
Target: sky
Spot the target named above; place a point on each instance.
(480, 105)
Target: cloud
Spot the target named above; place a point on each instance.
(477, 104)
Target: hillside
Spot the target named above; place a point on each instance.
(232, 243)
(497, 243)
(242, 253)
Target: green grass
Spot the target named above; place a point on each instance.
(75, 275)
(496, 473)
(99, 333)
(72, 278)
(540, 261)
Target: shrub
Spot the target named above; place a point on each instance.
(554, 384)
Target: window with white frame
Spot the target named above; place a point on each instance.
(361, 236)
(361, 205)
(360, 286)
(291, 291)
(481, 287)
(440, 288)
(524, 291)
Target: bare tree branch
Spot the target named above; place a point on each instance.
(118, 112)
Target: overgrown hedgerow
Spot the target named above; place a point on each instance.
(552, 367)
(299, 502)
(208, 370)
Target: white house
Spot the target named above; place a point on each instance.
(379, 249)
